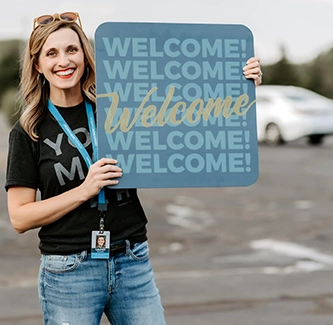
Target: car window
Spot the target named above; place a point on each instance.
(263, 99)
(303, 96)
(298, 98)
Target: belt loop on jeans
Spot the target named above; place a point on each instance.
(83, 256)
(128, 246)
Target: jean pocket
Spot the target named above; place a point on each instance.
(60, 263)
(140, 251)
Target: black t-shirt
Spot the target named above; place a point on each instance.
(53, 165)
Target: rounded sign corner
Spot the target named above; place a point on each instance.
(247, 29)
(100, 28)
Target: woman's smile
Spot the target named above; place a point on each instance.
(65, 73)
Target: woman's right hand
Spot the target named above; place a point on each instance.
(103, 172)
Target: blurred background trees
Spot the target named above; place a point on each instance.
(10, 56)
(316, 75)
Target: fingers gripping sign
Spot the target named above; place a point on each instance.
(102, 173)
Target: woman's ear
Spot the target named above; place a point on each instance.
(37, 68)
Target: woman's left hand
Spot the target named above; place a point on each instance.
(252, 70)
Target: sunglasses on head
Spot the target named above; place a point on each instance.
(69, 17)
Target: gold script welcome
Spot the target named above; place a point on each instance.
(151, 115)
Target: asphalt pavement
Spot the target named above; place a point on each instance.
(258, 255)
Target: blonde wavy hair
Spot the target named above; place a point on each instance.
(34, 94)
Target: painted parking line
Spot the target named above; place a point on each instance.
(189, 213)
(292, 250)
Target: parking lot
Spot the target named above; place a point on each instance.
(258, 255)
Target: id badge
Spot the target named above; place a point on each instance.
(100, 244)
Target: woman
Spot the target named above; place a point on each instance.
(50, 150)
(100, 242)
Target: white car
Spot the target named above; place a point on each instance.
(288, 113)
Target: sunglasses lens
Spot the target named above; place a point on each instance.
(44, 20)
(68, 16)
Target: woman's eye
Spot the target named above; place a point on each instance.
(72, 50)
(51, 53)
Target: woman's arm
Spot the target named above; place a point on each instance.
(252, 70)
(26, 213)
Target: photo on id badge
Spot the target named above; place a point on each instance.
(100, 244)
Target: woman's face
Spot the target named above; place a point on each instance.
(100, 241)
(62, 62)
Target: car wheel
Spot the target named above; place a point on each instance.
(273, 135)
(315, 140)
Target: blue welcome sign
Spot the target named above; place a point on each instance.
(173, 106)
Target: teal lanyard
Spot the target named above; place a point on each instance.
(102, 204)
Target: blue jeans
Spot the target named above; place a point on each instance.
(77, 290)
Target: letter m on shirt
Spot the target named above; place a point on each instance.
(63, 173)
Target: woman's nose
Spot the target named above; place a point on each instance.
(64, 60)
